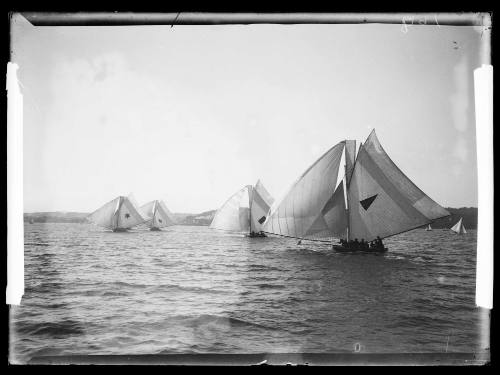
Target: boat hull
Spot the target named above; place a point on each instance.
(256, 235)
(120, 230)
(154, 229)
(343, 249)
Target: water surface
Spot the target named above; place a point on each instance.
(193, 290)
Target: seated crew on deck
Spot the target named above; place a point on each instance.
(377, 243)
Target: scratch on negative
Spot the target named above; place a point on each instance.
(175, 19)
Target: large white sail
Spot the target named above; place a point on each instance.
(120, 213)
(162, 217)
(105, 215)
(128, 215)
(147, 210)
(332, 220)
(295, 215)
(234, 215)
(382, 200)
(157, 215)
(260, 204)
(459, 227)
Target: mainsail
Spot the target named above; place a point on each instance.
(459, 228)
(429, 227)
(309, 207)
(260, 203)
(381, 200)
(120, 213)
(157, 215)
(245, 211)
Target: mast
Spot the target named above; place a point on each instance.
(250, 201)
(155, 208)
(347, 196)
(348, 176)
(117, 214)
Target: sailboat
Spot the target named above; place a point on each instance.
(245, 211)
(157, 215)
(428, 227)
(118, 215)
(374, 200)
(459, 227)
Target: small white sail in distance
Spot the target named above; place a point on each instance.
(245, 211)
(118, 214)
(157, 215)
(428, 227)
(459, 228)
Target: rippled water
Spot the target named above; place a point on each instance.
(194, 290)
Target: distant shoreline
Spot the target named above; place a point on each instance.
(469, 215)
(204, 218)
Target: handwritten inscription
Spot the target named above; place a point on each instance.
(409, 21)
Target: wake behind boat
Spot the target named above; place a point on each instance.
(374, 200)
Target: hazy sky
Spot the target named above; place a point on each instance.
(190, 114)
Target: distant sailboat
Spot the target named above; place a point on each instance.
(117, 215)
(245, 211)
(374, 199)
(157, 215)
(31, 221)
(428, 227)
(459, 227)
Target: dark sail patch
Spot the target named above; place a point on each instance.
(262, 219)
(366, 203)
(160, 221)
(127, 216)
